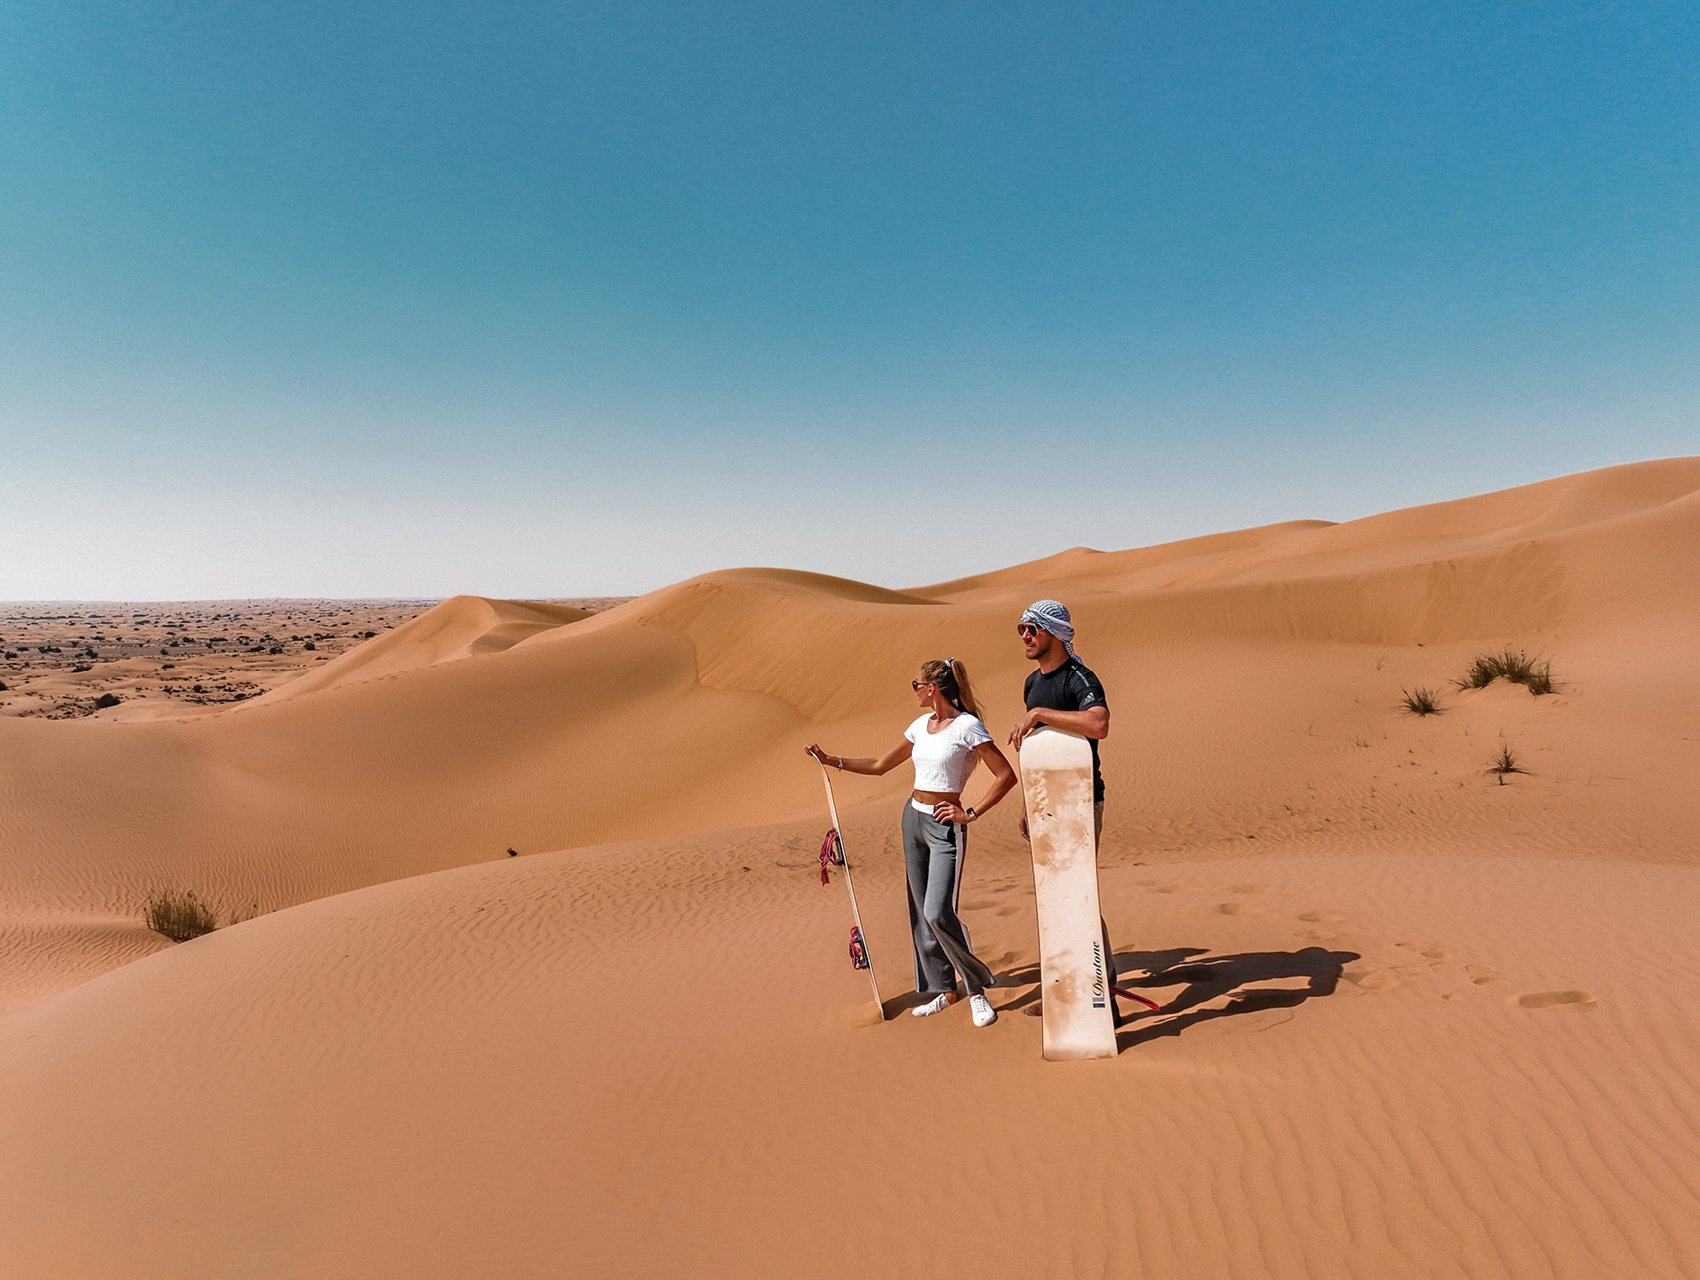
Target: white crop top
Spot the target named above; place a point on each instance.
(943, 760)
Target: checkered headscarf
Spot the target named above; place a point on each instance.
(1052, 615)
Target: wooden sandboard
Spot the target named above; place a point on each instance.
(1075, 974)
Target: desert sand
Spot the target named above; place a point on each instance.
(540, 979)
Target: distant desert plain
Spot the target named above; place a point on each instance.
(526, 970)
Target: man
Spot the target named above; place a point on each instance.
(1065, 694)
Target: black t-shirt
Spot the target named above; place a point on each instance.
(1071, 687)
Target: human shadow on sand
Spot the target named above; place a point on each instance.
(1127, 962)
(1240, 978)
(1207, 980)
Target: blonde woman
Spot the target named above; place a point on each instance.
(945, 743)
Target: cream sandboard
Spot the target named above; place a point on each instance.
(1056, 776)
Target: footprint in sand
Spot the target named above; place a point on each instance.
(1236, 908)
(1320, 917)
(1558, 1000)
(1315, 935)
(1372, 979)
(1434, 955)
(1248, 888)
(1167, 886)
(1483, 975)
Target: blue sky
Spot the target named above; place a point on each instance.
(544, 299)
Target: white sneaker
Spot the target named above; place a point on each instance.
(984, 1014)
(938, 1004)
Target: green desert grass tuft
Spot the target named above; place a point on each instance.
(180, 916)
(1421, 701)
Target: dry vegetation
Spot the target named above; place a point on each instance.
(180, 915)
(1509, 664)
(1421, 701)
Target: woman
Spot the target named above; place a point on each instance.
(944, 744)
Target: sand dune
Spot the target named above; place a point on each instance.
(1423, 1020)
(459, 628)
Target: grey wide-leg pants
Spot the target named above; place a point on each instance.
(933, 854)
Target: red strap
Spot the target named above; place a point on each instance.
(1125, 994)
(828, 847)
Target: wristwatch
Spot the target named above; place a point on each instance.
(971, 814)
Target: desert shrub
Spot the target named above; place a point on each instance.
(1483, 672)
(1508, 664)
(106, 700)
(180, 916)
(1506, 761)
(1421, 701)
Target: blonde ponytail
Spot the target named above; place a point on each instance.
(951, 676)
